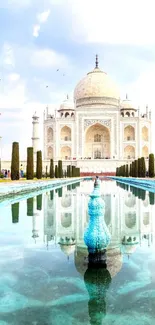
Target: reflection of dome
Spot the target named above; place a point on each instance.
(97, 84)
(113, 260)
(130, 201)
(129, 249)
(67, 249)
(67, 245)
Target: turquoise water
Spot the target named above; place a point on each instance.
(44, 274)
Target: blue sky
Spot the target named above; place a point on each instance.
(37, 37)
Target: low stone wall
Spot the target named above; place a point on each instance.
(145, 184)
(11, 189)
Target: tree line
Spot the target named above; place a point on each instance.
(137, 168)
(54, 172)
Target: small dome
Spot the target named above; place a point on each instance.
(66, 105)
(97, 84)
(127, 104)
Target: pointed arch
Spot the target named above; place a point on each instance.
(145, 152)
(97, 142)
(49, 134)
(145, 133)
(65, 133)
(65, 153)
(129, 152)
(129, 133)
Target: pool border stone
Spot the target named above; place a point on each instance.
(145, 184)
(9, 189)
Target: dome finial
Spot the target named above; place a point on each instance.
(126, 96)
(96, 62)
(67, 96)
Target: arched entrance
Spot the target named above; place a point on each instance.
(129, 133)
(65, 153)
(129, 152)
(97, 142)
(145, 152)
(145, 133)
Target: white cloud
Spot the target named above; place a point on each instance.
(36, 29)
(48, 58)
(7, 56)
(116, 22)
(43, 16)
(41, 19)
(13, 77)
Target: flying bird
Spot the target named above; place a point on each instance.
(57, 69)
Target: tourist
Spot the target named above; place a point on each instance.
(21, 171)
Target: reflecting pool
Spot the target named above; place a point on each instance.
(44, 273)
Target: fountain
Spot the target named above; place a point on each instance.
(97, 236)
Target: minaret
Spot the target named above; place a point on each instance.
(35, 134)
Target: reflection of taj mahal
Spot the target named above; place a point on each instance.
(129, 219)
(98, 131)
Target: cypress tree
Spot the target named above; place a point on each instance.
(46, 174)
(15, 161)
(39, 202)
(39, 165)
(139, 167)
(30, 207)
(143, 167)
(51, 168)
(151, 165)
(130, 172)
(127, 171)
(56, 171)
(30, 164)
(136, 168)
(60, 170)
(70, 171)
(15, 212)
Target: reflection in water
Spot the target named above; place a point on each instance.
(30, 206)
(46, 254)
(97, 281)
(15, 212)
(39, 202)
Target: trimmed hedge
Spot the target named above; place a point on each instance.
(39, 165)
(15, 161)
(30, 164)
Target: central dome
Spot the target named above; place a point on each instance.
(97, 84)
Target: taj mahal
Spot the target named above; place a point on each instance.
(98, 131)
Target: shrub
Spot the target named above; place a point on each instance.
(60, 171)
(127, 171)
(143, 167)
(56, 171)
(30, 164)
(39, 165)
(151, 165)
(15, 161)
(51, 169)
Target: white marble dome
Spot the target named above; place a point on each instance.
(96, 84)
(67, 105)
(127, 104)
